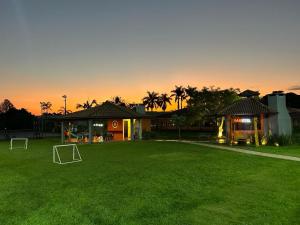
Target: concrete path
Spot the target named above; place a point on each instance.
(270, 155)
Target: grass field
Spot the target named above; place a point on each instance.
(149, 183)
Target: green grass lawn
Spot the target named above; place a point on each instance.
(149, 183)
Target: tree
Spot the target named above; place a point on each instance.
(164, 100)
(190, 91)
(16, 119)
(151, 101)
(45, 107)
(179, 94)
(117, 100)
(208, 102)
(87, 104)
(63, 111)
(5, 106)
(178, 121)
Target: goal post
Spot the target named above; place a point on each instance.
(76, 157)
(23, 146)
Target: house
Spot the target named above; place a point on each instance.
(103, 122)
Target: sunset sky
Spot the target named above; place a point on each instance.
(99, 49)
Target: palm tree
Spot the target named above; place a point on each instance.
(151, 101)
(179, 93)
(62, 111)
(45, 107)
(164, 100)
(190, 91)
(87, 104)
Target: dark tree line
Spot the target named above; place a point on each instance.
(292, 100)
(12, 118)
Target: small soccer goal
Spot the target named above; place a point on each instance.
(18, 143)
(63, 154)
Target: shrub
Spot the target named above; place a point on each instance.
(149, 135)
(280, 139)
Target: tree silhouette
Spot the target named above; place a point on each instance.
(5, 106)
(87, 104)
(190, 91)
(151, 101)
(62, 111)
(179, 93)
(45, 107)
(164, 100)
(117, 100)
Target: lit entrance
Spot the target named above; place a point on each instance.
(126, 129)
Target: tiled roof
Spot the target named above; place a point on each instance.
(107, 110)
(246, 106)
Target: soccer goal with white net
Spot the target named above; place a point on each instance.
(18, 143)
(63, 154)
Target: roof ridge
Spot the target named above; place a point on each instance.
(124, 108)
(105, 110)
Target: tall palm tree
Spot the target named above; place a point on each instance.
(87, 104)
(151, 101)
(45, 107)
(179, 93)
(164, 100)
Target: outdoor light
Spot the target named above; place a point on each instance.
(246, 120)
(98, 124)
(221, 140)
(242, 120)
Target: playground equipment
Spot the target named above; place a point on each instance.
(76, 157)
(23, 146)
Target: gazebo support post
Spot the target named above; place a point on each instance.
(62, 132)
(255, 132)
(228, 131)
(90, 131)
(140, 129)
(132, 129)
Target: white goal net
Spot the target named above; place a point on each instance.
(18, 143)
(63, 154)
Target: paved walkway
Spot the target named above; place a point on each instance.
(270, 155)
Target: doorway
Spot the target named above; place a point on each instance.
(126, 129)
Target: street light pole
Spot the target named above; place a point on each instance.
(65, 99)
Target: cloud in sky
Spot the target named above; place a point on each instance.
(294, 88)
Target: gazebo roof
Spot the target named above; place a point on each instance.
(107, 110)
(247, 107)
(249, 93)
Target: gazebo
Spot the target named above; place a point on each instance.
(103, 122)
(244, 121)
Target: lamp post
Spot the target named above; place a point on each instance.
(65, 99)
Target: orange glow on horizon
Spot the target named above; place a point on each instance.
(29, 96)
